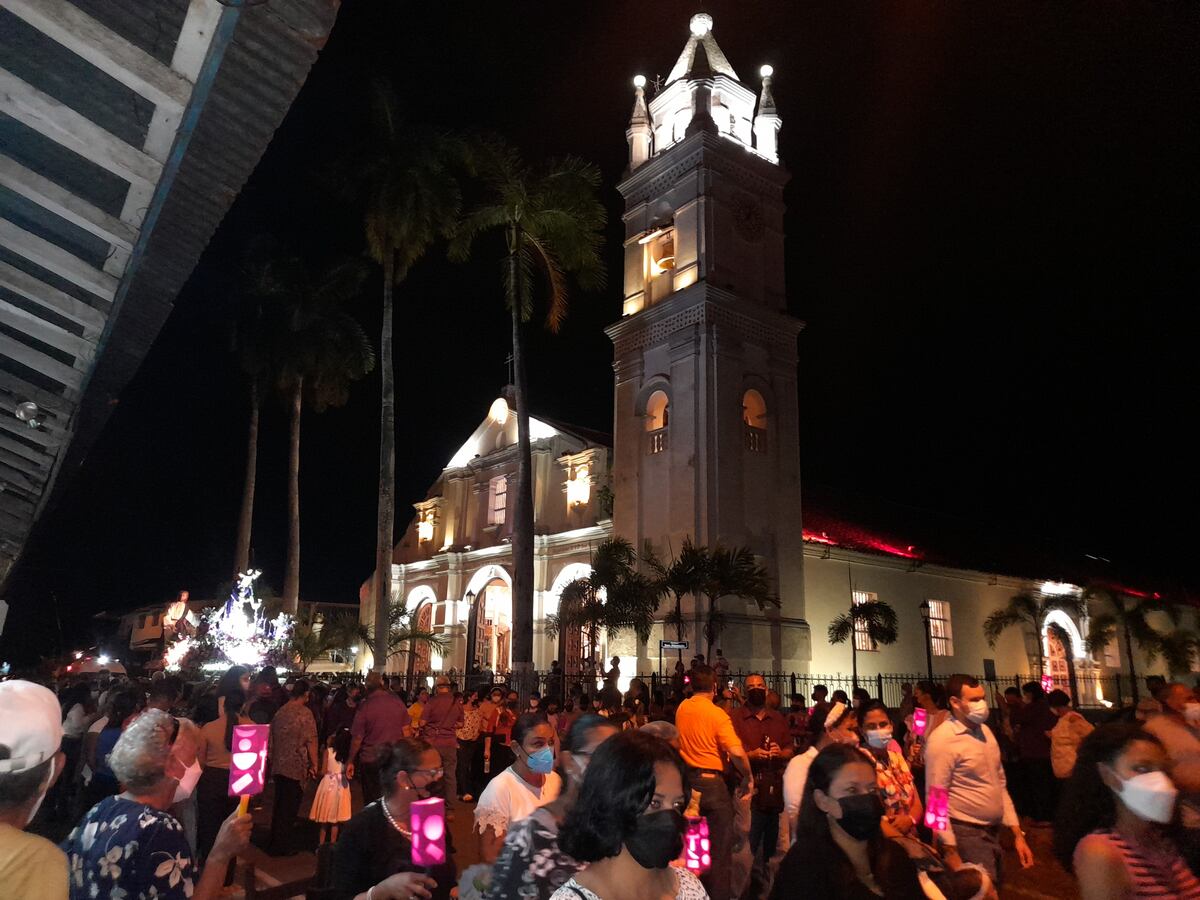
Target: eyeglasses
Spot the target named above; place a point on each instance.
(434, 774)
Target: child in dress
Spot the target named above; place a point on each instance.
(331, 804)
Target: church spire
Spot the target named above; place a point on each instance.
(767, 123)
(638, 132)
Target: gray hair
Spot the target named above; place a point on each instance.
(139, 759)
(662, 730)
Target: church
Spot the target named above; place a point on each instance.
(705, 446)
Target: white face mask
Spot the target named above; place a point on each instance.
(1191, 712)
(977, 711)
(1150, 796)
(879, 738)
(42, 796)
(187, 782)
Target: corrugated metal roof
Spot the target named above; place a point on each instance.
(65, 346)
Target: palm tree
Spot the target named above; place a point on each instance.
(1029, 612)
(1129, 616)
(615, 597)
(402, 636)
(312, 640)
(731, 573)
(1178, 648)
(315, 350)
(250, 346)
(552, 223)
(684, 576)
(874, 617)
(405, 178)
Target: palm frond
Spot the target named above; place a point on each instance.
(999, 621)
(1102, 630)
(840, 629)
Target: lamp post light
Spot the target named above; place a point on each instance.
(928, 638)
(471, 649)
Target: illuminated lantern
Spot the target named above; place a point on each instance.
(697, 854)
(1047, 683)
(248, 762)
(429, 832)
(920, 718)
(937, 813)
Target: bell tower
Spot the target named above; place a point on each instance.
(706, 442)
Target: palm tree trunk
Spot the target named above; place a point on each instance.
(853, 650)
(1133, 676)
(291, 575)
(241, 561)
(522, 539)
(387, 476)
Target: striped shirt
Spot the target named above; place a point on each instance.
(1154, 874)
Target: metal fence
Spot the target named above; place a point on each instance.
(1087, 691)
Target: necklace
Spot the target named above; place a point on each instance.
(387, 814)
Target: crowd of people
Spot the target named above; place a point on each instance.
(589, 795)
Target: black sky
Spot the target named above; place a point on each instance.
(992, 235)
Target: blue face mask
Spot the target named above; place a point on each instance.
(541, 762)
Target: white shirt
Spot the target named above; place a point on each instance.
(510, 798)
(965, 760)
(75, 723)
(795, 776)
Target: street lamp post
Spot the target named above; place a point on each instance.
(928, 638)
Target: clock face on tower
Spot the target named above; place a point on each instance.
(747, 219)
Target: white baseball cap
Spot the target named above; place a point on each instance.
(30, 725)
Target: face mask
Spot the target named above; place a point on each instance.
(879, 738)
(757, 696)
(42, 796)
(977, 711)
(1191, 712)
(187, 783)
(862, 815)
(658, 839)
(1150, 796)
(541, 762)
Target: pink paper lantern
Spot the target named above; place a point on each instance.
(248, 760)
(697, 851)
(428, 832)
(937, 811)
(1047, 683)
(920, 718)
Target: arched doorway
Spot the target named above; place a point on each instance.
(419, 656)
(489, 623)
(578, 652)
(1057, 664)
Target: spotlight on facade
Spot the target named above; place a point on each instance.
(28, 412)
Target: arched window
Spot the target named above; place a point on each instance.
(754, 416)
(657, 421)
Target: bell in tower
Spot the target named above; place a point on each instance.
(706, 442)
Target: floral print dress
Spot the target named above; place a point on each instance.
(124, 850)
(531, 865)
(894, 780)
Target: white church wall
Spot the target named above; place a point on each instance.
(971, 599)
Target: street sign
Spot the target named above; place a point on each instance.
(672, 645)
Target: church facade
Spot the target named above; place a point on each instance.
(705, 442)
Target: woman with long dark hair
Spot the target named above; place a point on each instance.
(1112, 823)
(213, 803)
(840, 852)
(628, 824)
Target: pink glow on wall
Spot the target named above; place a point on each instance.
(428, 832)
(248, 761)
(813, 538)
(697, 855)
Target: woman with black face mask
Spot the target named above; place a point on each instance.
(628, 824)
(840, 852)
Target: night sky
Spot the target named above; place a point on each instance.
(991, 235)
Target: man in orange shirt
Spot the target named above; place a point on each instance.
(706, 739)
